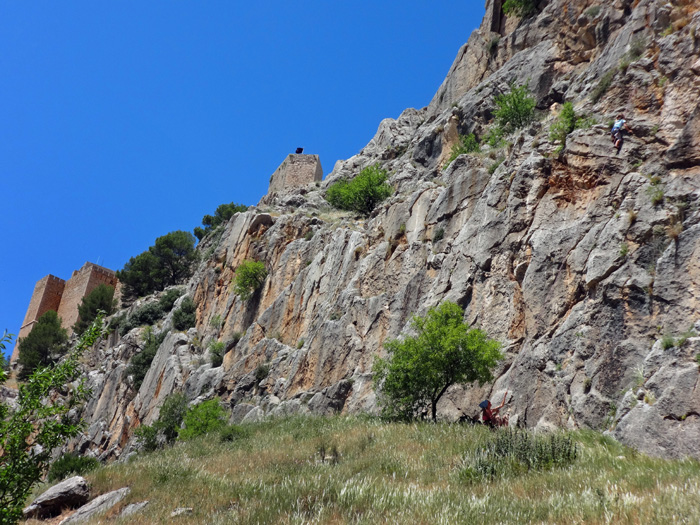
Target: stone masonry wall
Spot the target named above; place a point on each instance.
(296, 171)
(53, 293)
(46, 296)
(81, 283)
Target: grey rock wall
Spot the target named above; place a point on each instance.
(579, 259)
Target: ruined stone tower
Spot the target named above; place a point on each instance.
(53, 293)
(296, 171)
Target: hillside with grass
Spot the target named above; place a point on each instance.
(361, 470)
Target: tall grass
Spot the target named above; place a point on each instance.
(274, 472)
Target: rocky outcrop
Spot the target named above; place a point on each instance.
(70, 493)
(581, 260)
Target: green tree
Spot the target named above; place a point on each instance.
(44, 345)
(222, 214)
(420, 368)
(514, 109)
(100, 299)
(250, 276)
(38, 423)
(167, 262)
(362, 193)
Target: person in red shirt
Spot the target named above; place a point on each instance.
(490, 416)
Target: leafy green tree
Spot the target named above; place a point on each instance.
(222, 214)
(362, 193)
(167, 262)
(100, 299)
(38, 423)
(419, 370)
(519, 7)
(514, 109)
(250, 276)
(201, 419)
(44, 345)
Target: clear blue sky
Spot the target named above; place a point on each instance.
(123, 121)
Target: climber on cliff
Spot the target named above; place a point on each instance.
(490, 417)
(616, 131)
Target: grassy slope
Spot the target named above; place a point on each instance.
(393, 473)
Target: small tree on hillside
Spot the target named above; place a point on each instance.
(419, 370)
(44, 345)
(222, 214)
(100, 299)
(250, 276)
(514, 109)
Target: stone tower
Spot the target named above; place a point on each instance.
(296, 171)
(53, 293)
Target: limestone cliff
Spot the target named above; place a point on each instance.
(579, 260)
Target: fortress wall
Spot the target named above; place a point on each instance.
(46, 296)
(82, 282)
(296, 171)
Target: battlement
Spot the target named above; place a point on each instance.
(296, 171)
(63, 297)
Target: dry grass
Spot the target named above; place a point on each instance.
(393, 473)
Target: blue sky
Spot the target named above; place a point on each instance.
(123, 121)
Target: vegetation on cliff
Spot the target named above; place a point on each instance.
(101, 299)
(167, 262)
(222, 214)
(362, 193)
(44, 345)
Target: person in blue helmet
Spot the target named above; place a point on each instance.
(490, 416)
(616, 131)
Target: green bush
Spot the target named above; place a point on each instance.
(167, 262)
(511, 452)
(217, 350)
(250, 276)
(567, 121)
(71, 464)
(261, 372)
(165, 429)
(667, 342)
(149, 313)
(519, 8)
(185, 317)
(234, 433)
(467, 144)
(362, 193)
(100, 299)
(141, 362)
(439, 234)
(514, 109)
(222, 214)
(208, 416)
(494, 137)
(43, 346)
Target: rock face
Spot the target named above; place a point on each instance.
(71, 492)
(99, 504)
(583, 262)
